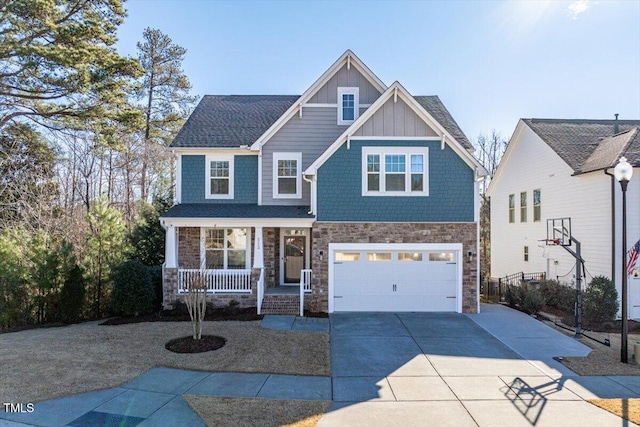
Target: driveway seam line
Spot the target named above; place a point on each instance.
(610, 377)
(262, 386)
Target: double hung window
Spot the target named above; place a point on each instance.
(287, 175)
(389, 171)
(219, 177)
(226, 248)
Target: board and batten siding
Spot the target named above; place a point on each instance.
(311, 135)
(532, 164)
(395, 119)
(451, 188)
(328, 94)
(245, 180)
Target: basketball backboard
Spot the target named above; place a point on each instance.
(559, 231)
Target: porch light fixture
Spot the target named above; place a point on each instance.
(623, 173)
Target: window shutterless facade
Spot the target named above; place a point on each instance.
(226, 248)
(287, 175)
(395, 171)
(348, 105)
(523, 206)
(512, 208)
(526, 253)
(219, 177)
(537, 214)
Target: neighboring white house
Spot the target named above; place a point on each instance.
(556, 168)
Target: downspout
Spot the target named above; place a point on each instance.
(613, 225)
(312, 192)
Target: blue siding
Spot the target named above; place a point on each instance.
(245, 180)
(451, 187)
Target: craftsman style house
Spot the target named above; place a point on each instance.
(354, 196)
(563, 168)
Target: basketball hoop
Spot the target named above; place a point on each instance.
(550, 242)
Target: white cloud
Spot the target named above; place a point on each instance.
(578, 7)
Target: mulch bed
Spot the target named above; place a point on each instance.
(216, 314)
(189, 345)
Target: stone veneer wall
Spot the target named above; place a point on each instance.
(324, 233)
(189, 247)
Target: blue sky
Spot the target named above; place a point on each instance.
(490, 62)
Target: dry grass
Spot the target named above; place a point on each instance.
(629, 409)
(41, 364)
(234, 412)
(602, 360)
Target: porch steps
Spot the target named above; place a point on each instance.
(281, 304)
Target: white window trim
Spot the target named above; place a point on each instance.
(407, 151)
(203, 250)
(287, 156)
(355, 91)
(207, 184)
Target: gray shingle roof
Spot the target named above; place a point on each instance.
(575, 141)
(231, 120)
(228, 210)
(610, 149)
(235, 120)
(436, 108)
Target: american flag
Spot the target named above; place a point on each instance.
(633, 257)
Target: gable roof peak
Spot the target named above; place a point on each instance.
(349, 58)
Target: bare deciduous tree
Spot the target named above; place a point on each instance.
(196, 300)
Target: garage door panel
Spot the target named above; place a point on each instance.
(410, 281)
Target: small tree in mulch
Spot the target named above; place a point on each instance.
(196, 301)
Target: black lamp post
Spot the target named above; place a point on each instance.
(623, 173)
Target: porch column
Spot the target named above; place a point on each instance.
(170, 247)
(258, 250)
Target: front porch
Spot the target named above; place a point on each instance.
(264, 267)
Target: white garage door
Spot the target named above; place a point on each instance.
(395, 278)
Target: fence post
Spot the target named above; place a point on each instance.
(500, 289)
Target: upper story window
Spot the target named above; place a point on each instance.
(395, 171)
(523, 206)
(287, 175)
(348, 105)
(536, 206)
(219, 177)
(512, 208)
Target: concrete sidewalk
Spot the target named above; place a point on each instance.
(154, 399)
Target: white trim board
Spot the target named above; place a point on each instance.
(238, 222)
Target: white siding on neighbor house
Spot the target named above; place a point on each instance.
(395, 119)
(532, 164)
(328, 94)
(310, 135)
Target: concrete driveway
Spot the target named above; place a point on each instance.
(446, 369)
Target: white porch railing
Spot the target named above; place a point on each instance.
(305, 287)
(217, 281)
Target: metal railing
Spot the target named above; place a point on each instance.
(217, 281)
(305, 287)
(493, 289)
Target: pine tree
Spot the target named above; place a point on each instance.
(165, 98)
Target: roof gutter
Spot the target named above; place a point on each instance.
(613, 224)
